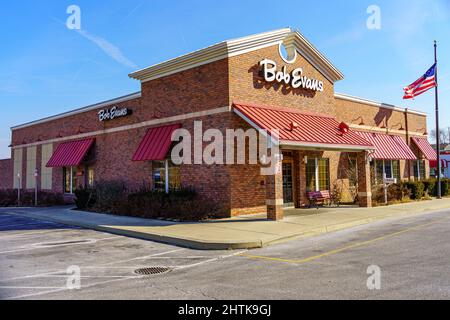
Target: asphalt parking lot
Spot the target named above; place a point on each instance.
(411, 255)
(39, 258)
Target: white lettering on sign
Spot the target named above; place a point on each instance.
(295, 79)
(113, 113)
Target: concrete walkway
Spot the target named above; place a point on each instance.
(248, 232)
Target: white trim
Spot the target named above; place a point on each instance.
(80, 110)
(324, 146)
(377, 104)
(232, 48)
(385, 131)
(149, 123)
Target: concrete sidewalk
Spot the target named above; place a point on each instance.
(248, 232)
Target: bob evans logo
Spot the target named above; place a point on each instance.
(295, 79)
(113, 113)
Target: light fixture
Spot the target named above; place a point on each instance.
(401, 126)
(359, 118)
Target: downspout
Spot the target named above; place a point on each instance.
(408, 142)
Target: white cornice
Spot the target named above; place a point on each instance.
(241, 46)
(376, 104)
(80, 110)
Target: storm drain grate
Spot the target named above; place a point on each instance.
(152, 271)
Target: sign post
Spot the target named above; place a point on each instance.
(18, 188)
(386, 183)
(35, 187)
(438, 136)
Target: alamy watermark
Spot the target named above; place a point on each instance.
(73, 22)
(374, 20)
(73, 278)
(229, 147)
(374, 280)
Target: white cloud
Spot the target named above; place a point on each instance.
(109, 48)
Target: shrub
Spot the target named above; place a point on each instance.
(85, 198)
(8, 198)
(445, 188)
(110, 196)
(417, 189)
(429, 186)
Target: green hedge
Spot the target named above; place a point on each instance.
(112, 197)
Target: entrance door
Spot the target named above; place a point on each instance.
(288, 184)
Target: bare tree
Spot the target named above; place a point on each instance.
(444, 135)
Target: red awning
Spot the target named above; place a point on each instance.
(434, 164)
(388, 147)
(70, 154)
(301, 129)
(426, 148)
(156, 144)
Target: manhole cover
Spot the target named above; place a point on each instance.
(152, 271)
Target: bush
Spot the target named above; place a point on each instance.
(429, 186)
(445, 188)
(85, 198)
(8, 198)
(112, 197)
(417, 189)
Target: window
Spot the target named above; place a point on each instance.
(70, 180)
(90, 177)
(324, 174)
(389, 167)
(46, 173)
(419, 170)
(166, 176)
(318, 174)
(352, 171)
(31, 168)
(18, 158)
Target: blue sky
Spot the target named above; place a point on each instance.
(45, 68)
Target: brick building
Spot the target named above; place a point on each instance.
(271, 81)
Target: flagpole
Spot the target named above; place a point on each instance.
(438, 135)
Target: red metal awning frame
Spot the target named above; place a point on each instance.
(70, 154)
(156, 143)
(426, 148)
(388, 147)
(303, 130)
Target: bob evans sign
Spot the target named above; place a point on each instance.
(113, 113)
(295, 79)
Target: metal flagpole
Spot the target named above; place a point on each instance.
(438, 135)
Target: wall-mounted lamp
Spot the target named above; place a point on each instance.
(293, 126)
(359, 118)
(424, 130)
(384, 126)
(401, 126)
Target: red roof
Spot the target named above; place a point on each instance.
(156, 144)
(300, 128)
(388, 147)
(70, 154)
(426, 148)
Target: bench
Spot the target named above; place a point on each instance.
(318, 197)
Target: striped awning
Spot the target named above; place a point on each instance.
(426, 148)
(301, 129)
(70, 154)
(434, 163)
(156, 144)
(388, 147)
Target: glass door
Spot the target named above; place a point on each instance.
(288, 184)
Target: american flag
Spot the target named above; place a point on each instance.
(425, 83)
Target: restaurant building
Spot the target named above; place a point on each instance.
(271, 81)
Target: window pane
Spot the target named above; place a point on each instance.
(311, 175)
(352, 171)
(174, 177)
(388, 169)
(91, 177)
(324, 174)
(159, 175)
(66, 174)
(416, 170)
(396, 170)
(379, 169)
(422, 170)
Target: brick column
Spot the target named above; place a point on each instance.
(364, 181)
(274, 196)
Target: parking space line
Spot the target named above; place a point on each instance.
(352, 246)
